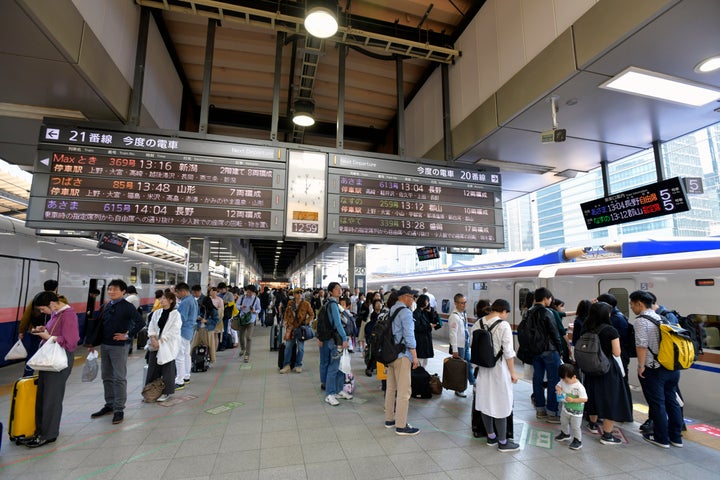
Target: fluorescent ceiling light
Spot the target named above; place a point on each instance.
(514, 166)
(664, 87)
(708, 65)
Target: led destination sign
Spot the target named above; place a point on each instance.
(419, 230)
(405, 190)
(416, 210)
(658, 199)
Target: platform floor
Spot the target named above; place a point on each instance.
(246, 421)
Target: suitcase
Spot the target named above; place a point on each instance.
(200, 358)
(22, 409)
(455, 374)
(478, 427)
(142, 338)
(269, 318)
(276, 337)
(420, 383)
(281, 356)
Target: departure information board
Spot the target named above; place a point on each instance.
(658, 199)
(390, 201)
(89, 178)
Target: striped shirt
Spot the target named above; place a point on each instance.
(647, 335)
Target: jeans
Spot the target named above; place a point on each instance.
(548, 362)
(113, 362)
(289, 346)
(330, 373)
(659, 387)
(464, 353)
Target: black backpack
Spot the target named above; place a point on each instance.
(532, 334)
(589, 356)
(691, 327)
(482, 348)
(383, 348)
(325, 331)
(628, 343)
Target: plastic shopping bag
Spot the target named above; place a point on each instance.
(345, 366)
(17, 352)
(51, 357)
(90, 369)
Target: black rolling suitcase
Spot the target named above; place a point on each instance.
(276, 337)
(200, 358)
(269, 317)
(420, 383)
(478, 427)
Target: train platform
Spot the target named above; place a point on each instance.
(246, 421)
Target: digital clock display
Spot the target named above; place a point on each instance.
(86, 177)
(404, 202)
(662, 198)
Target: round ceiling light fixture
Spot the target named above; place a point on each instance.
(303, 112)
(320, 18)
(708, 65)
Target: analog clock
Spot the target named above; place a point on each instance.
(306, 195)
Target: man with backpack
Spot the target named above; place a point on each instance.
(399, 388)
(659, 385)
(539, 344)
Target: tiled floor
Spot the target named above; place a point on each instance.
(246, 421)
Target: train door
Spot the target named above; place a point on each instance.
(620, 288)
(520, 292)
(22, 279)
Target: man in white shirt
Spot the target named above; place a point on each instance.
(459, 336)
(433, 302)
(353, 301)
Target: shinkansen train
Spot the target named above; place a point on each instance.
(27, 260)
(683, 274)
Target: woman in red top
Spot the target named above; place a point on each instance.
(63, 325)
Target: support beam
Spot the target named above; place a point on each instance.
(280, 41)
(400, 107)
(139, 75)
(207, 75)
(340, 139)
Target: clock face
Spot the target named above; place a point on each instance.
(307, 172)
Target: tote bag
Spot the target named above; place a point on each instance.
(51, 357)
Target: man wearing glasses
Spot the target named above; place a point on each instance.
(459, 336)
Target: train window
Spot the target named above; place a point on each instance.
(160, 277)
(709, 329)
(145, 276)
(623, 300)
(522, 298)
(172, 279)
(133, 275)
(180, 277)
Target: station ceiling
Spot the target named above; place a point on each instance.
(601, 125)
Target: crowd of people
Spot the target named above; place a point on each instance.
(225, 317)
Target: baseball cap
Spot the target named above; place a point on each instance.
(406, 290)
(298, 290)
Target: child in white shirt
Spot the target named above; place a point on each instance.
(573, 396)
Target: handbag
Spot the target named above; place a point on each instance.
(90, 369)
(152, 391)
(239, 321)
(51, 357)
(435, 384)
(17, 352)
(304, 332)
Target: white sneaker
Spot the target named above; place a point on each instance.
(163, 398)
(298, 369)
(285, 369)
(332, 400)
(344, 395)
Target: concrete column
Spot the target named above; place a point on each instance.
(198, 262)
(356, 267)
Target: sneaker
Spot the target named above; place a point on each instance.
(541, 415)
(118, 417)
(163, 398)
(408, 430)
(186, 380)
(552, 419)
(285, 369)
(592, 427)
(460, 394)
(322, 386)
(575, 444)
(509, 446)
(609, 439)
(246, 358)
(389, 424)
(332, 400)
(344, 395)
(491, 442)
(650, 438)
(647, 427)
(179, 386)
(676, 444)
(102, 412)
(298, 369)
(562, 437)
(368, 372)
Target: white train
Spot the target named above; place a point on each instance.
(27, 260)
(683, 274)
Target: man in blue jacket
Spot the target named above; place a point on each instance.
(115, 325)
(399, 389)
(188, 308)
(331, 349)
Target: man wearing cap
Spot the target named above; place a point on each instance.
(397, 395)
(298, 312)
(248, 303)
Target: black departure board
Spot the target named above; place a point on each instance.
(662, 198)
(376, 200)
(88, 177)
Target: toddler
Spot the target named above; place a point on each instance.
(572, 395)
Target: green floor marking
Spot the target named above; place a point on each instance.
(225, 407)
(245, 366)
(540, 438)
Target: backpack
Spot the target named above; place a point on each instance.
(589, 356)
(482, 348)
(382, 341)
(532, 336)
(687, 324)
(324, 329)
(676, 350)
(628, 343)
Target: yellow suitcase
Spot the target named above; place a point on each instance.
(22, 409)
